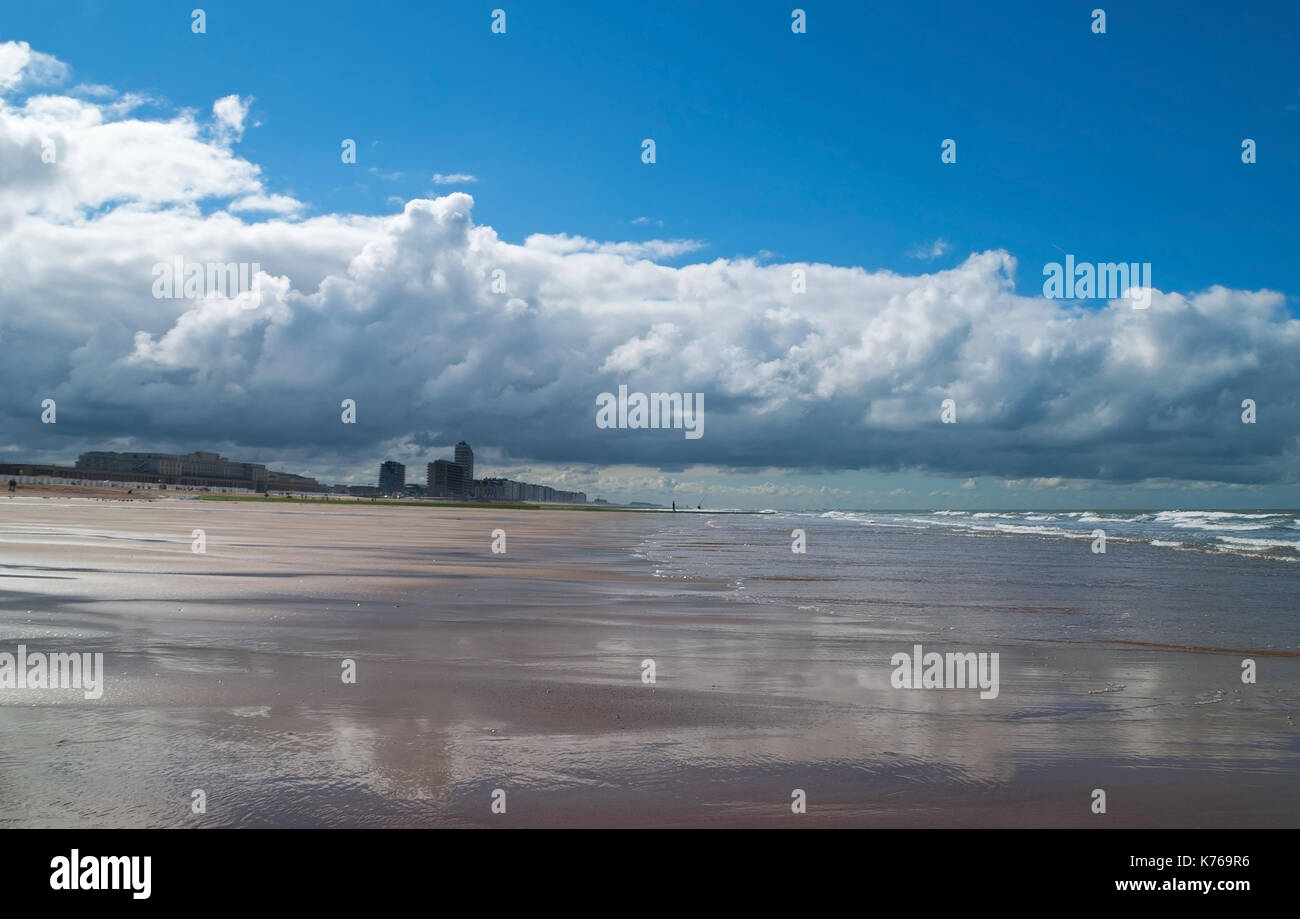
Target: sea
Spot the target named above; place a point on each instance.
(1203, 579)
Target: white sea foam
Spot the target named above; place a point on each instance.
(1243, 542)
(1035, 530)
(1258, 534)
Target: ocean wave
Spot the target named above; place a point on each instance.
(1211, 525)
(1243, 542)
(1038, 531)
(945, 522)
(1254, 534)
(871, 521)
(1221, 514)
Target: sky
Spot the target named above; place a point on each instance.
(479, 152)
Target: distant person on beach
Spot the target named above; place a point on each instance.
(13, 484)
(674, 507)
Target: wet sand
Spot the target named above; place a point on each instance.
(523, 672)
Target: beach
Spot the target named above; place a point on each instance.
(521, 676)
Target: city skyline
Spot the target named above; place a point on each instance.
(691, 493)
(205, 470)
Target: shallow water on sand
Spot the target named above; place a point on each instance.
(523, 672)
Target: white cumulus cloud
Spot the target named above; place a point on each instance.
(21, 67)
(228, 116)
(403, 313)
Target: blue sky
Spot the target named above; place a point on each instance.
(819, 147)
(773, 149)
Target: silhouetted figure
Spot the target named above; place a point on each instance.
(674, 507)
(13, 484)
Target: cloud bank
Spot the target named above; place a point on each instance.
(440, 330)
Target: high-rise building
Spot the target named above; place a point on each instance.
(439, 481)
(392, 477)
(447, 480)
(465, 458)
